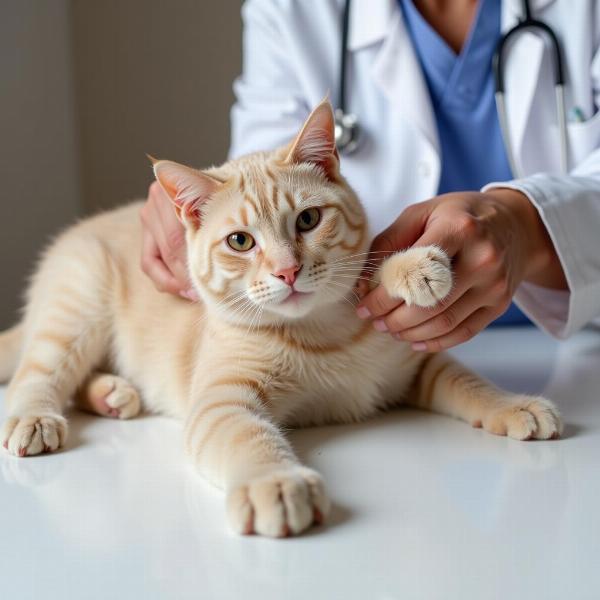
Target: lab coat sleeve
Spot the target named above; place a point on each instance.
(569, 207)
(270, 107)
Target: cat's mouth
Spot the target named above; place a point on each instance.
(295, 296)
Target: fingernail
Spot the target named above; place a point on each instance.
(380, 325)
(419, 346)
(363, 312)
(190, 295)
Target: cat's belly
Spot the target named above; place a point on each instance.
(350, 387)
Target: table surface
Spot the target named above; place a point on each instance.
(425, 507)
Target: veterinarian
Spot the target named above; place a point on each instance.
(431, 163)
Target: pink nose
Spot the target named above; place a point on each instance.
(289, 274)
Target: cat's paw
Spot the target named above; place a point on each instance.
(419, 276)
(27, 435)
(281, 503)
(110, 396)
(525, 418)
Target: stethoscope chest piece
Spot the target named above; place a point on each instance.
(347, 132)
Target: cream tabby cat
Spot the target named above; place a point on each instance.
(275, 242)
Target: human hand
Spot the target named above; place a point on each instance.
(496, 240)
(163, 245)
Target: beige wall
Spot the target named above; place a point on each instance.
(152, 76)
(39, 189)
(87, 88)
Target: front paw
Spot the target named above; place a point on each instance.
(525, 418)
(281, 503)
(28, 435)
(419, 276)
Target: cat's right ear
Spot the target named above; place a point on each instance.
(315, 144)
(188, 189)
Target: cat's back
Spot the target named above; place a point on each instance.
(86, 252)
(98, 255)
(94, 266)
(117, 230)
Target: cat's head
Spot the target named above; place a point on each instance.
(279, 233)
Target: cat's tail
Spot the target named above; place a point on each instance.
(10, 350)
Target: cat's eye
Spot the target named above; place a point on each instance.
(308, 219)
(240, 241)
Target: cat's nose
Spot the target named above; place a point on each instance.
(289, 274)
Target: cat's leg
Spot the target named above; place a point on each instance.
(445, 386)
(55, 360)
(66, 334)
(422, 276)
(108, 395)
(234, 443)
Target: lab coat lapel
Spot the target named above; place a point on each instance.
(396, 70)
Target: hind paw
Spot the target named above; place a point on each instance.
(110, 396)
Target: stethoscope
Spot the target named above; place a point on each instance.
(528, 23)
(347, 127)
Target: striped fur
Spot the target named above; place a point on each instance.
(249, 359)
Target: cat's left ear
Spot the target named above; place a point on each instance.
(315, 144)
(188, 189)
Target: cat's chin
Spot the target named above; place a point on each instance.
(295, 306)
(299, 305)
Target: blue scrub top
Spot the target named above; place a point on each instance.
(462, 94)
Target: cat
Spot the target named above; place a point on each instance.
(276, 242)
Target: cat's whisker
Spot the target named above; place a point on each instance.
(384, 252)
(369, 252)
(239, 296)
(350, 271)
(240, 309)
(244, 311)
(345, 269)
(351, 277)
(356, 265)
(256, 314)
(349, 291)
(334, 296)
(356, 259)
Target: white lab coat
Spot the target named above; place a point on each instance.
(291, 60)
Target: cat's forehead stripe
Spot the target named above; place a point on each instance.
(244, 215)
(275, 196)
(252, 203)
(350, 224)
(290, 200)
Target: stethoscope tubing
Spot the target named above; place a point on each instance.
(347, 124)
(529, 24)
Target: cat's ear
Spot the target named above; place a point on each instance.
(315, 144)
(188, 188)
